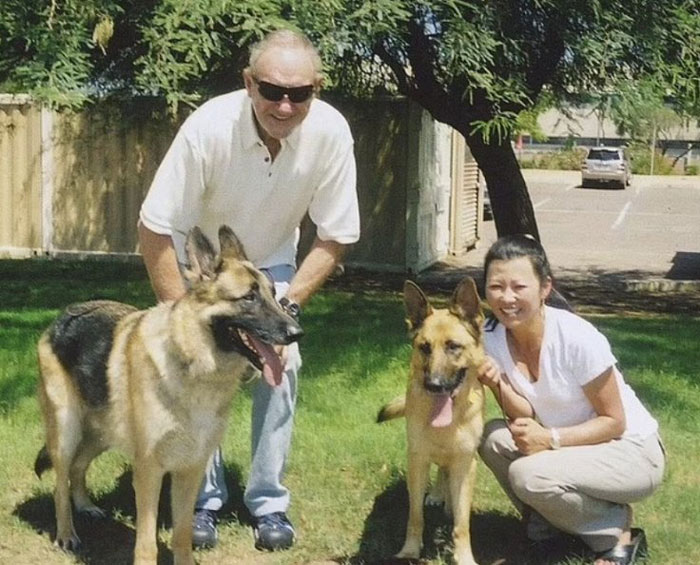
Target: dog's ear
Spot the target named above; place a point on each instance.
(200, 256)
(417, 306)
(230, 245)
(465, 302)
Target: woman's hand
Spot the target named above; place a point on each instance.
(489, 373)
(529, 436)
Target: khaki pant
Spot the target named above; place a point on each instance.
(582, 490)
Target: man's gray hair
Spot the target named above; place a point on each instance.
(285, 38)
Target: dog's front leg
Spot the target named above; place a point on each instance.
(417, 481)
(184, 489)
(462, 476)
(148, 477)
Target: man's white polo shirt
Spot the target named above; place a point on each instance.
(217, 171)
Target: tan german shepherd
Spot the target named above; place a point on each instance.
(156, 384)
(443, 406)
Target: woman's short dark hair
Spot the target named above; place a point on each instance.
(519, 245)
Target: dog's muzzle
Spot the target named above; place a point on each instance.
(442, 385)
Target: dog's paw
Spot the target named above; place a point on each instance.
(69, 542)
(408, 554)
(464, 558)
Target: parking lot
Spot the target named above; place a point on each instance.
(650, 229)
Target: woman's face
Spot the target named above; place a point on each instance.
(514, 291)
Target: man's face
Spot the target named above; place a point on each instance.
(288, 68)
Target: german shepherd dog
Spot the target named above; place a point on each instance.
(156, 384)
(443, 406)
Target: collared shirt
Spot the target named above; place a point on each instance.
(218, 171)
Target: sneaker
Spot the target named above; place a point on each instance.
(273, 532)
(204, 533)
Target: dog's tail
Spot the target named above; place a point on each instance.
(42, 462)
(395, 409)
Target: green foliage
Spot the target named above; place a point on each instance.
(70, 51)
(640, 160)
(565, 160)
(47, 47)
(641, 112)
(527, 123)
(496, 59)
(199, 47)
(483, 62)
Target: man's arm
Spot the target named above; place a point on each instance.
(161, 263)
(316, 267)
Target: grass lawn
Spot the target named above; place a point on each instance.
(346, 473)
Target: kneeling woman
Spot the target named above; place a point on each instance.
(576, 445)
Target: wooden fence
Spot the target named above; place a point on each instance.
(71, 183)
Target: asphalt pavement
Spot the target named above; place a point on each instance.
(643, 239)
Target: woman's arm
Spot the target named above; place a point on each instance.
(513, 404)
(604, 394)
(609, 424)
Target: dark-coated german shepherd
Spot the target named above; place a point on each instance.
(156, 384)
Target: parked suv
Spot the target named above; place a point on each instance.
(608, 165)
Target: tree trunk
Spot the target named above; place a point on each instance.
(510, 200)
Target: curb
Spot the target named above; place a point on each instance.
(662, 285)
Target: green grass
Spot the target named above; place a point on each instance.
(346, 473)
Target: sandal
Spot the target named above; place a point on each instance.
(626, 554)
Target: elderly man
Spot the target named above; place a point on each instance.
(258, 159)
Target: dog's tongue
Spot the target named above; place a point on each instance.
(272, 366)
(441, 415)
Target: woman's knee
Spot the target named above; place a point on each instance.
(528, 480)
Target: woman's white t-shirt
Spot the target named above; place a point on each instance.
(573, 353)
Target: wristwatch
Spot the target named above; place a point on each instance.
(290, 307)
(555, 442)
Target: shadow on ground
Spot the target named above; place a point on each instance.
(496, 538)
(111, 540)
(587, 290)
(686, 265)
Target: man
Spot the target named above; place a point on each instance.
(258, 159)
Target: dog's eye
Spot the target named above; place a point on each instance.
(424, 348)
(454, 347)
(252, 294)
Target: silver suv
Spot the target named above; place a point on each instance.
(608, 165)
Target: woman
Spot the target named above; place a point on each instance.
(576, 446)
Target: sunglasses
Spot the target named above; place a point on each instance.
(275, 93)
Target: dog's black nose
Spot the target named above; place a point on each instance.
(294, 332)
(435, 385)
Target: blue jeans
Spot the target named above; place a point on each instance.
(272, 423)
